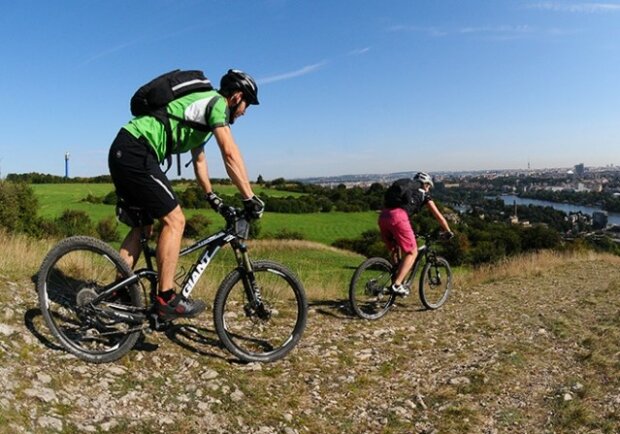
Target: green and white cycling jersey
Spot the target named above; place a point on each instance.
(206, 108)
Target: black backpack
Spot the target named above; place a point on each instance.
(159, 92)
(399, 193)
(152, 98)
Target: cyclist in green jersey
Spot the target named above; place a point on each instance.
(134, 161)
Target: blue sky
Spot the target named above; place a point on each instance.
(346, 87)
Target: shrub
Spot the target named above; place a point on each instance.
(18, 208)
(73, 222)
(110, 198)
(107, 229)
(456, 249)
(255, 229)
(196, 226)
(368, 244)
(539, 237)
(91, 198)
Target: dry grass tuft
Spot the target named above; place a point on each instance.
(295, 245)
(21, 255)
(531, 264)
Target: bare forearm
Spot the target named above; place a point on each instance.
(439, 216)
(235, 167)
(201, 171)
(238, 175)
(443, 223)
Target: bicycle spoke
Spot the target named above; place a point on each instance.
(369, 290)
(435, 283)
(265, 329)
(71, 277)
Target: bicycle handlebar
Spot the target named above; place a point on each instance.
(436, 235)
(236, 219)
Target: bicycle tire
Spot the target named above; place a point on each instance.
(435, 288)
(240, 327)
(71, 274)
(367, 295)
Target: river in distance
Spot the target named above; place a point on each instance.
(612, 218)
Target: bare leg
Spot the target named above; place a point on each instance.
(168, 247)
(130, 249)
(405, 266)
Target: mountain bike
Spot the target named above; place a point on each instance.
(369, 291)
(97, 307)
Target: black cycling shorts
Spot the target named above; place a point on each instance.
(138, 178)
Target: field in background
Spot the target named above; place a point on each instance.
(324, 271)
(55, 198)
(323, 228)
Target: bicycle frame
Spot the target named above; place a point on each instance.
(211, 244)
(424, 252)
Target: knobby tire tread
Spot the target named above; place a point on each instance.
(221, 297)
(423, 276)
(64, 247)
(352, 286)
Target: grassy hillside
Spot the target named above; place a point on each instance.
(54, 198)
(323, 228)
(528, 346)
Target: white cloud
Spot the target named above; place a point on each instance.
(359, 51)
(433, 31)
(108, 52)
(293, 74)
(497, 31)
(577, 7)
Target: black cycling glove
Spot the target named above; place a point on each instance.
(254, 207)
(447, 235)
(215, 201)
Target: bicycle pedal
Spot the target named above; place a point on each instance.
(157, 324)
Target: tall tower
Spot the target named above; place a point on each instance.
(66, 165)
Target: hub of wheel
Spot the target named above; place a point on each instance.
(85, 296)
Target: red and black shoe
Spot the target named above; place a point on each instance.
(178, 306)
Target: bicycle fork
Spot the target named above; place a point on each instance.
(255, 305)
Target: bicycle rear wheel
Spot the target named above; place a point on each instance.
(264, 331)
(369, 288)
(72, 274)
(435, 283)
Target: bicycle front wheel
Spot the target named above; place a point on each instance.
(369, 292)
(266, 330)
(435, 283)
(72, 274)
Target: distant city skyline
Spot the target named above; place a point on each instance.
(436, 86)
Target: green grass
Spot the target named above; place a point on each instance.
(320, 227)
(55, 198)
(259, 190)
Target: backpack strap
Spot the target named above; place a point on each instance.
(170, 148)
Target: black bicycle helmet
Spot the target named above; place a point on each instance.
(238, 80)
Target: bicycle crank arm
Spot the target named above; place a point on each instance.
(118, 315)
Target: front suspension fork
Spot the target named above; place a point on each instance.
(252, 290)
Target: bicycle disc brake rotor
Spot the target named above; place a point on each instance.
(259, 311)
(434, 277)
(372, 288)
(85, 296)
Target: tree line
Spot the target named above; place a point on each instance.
(483, 233)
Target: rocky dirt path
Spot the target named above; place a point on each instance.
(530, 354)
